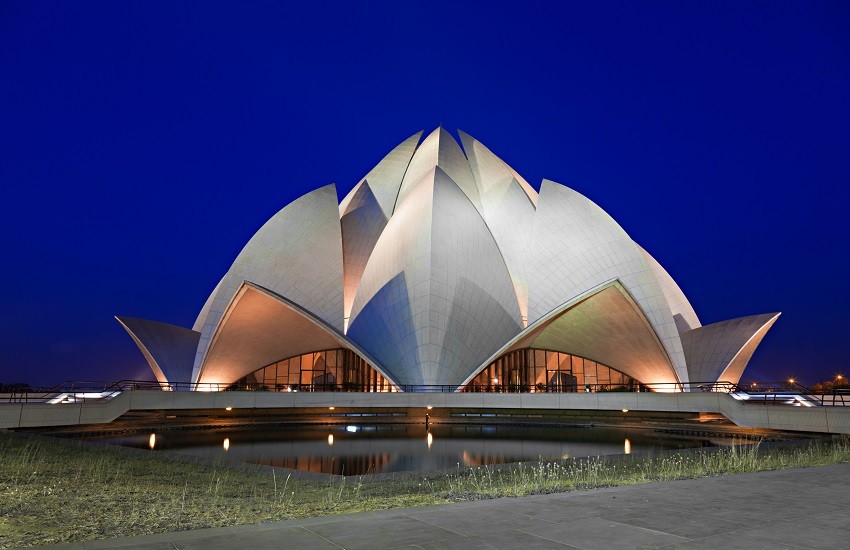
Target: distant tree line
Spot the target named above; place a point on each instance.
(14, 386)
(838, 383)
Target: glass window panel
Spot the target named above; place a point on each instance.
(319, 362)
(564, 362)
(539, 357)
(616, 378)
(602, 374)
(540, 375)
(578, 365)
(579, 380)
(551, 360)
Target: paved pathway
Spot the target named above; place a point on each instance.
(802, 508)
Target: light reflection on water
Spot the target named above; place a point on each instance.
(361, 449)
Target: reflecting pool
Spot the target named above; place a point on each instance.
(358, 449)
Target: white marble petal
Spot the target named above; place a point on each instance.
(720, 351)
(168, 349)
(205, 310)
(604, 324)
(490, 167)
(385, 178)
(508, 211)
(297, 254)
(577, 246)
(435, 298)
(363, 221)
(440, 149)
(260, 328)
(683, 313)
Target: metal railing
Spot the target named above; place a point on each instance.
(766, 394)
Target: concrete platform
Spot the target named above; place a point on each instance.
(822, 419)
(800, 508)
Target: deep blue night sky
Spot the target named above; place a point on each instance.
(143, 143)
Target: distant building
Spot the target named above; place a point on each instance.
(445, 268)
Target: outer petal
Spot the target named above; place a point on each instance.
(720, 351)
(577, 246)
(297, 254)
(436, 298)
(205, 310)
(683, 313)
(606, 325)
(168, 349)
(260, 328)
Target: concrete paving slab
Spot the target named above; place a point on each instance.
(553, 511)
(603, 534)
(731, 541)
(473, 521)
(838, 518)
(510, 540)
(386, 532)
(684, 524)
(295, 537)
(802, 534)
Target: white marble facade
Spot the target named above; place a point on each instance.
(440, 259)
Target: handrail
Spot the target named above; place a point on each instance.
(772, 393)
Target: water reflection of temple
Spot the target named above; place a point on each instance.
(343, 465)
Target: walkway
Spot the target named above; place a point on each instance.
(822, 419)
(802, 508)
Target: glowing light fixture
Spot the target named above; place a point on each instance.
(429, 407)
(625, 410)
(330, 439)
(228, 408)
(331, 408)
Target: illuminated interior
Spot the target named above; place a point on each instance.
(327, 370)
(537, 370)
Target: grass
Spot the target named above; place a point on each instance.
(62, 491)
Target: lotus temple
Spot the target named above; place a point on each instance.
(444, 269)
